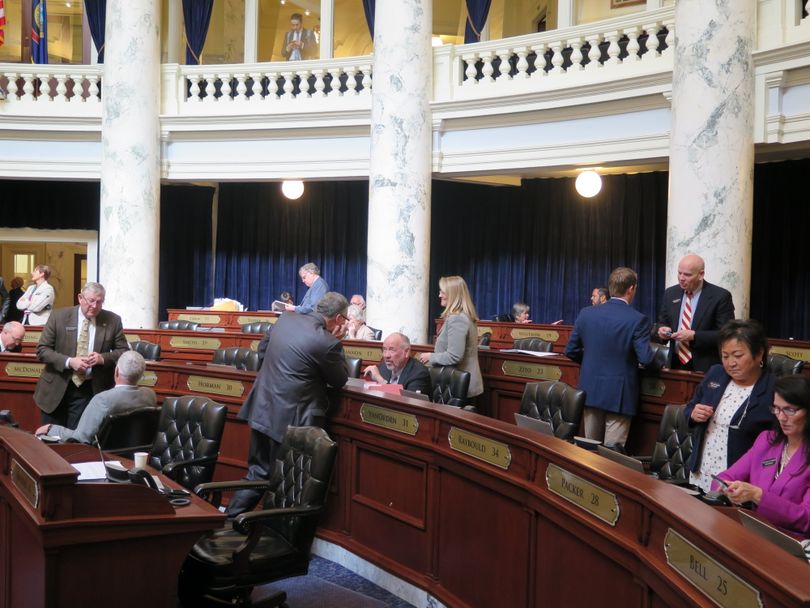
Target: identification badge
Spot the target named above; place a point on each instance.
(768, 463)
(714, 385)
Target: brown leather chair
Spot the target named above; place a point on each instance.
(450, 385)
(555, 402)
(148, 350)
(257, 327)
(187, 325)
(245, 359)
(535, 344)
(782, 365)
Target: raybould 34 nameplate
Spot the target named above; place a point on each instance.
(584, 494)
(389, 419)
(482, 448)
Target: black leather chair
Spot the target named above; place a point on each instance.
(672, 447)
(377, 333)
(257, 327)
(259, 547)
(242, 358)
(660, 355)
(782, 365)
(189, 325)
(128, 432)
(354, 366)
(450, 385)
(536, 344)
(148, 350)
(504, 318)
(187, 442)
(555, 402)
(485, 339)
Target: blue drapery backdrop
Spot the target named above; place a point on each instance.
(477, 11)
(96, 18)
(197, 16)
(368, 9)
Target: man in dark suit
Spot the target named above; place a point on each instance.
(80, 346)
(610, 341)
(302, 356)
(691, 316)
(11, 337)
(398, 367)
(299, 42)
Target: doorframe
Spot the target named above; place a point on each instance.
(88, 237)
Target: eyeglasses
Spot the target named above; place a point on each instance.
(93, 301)
(787, 411)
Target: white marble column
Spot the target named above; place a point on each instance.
(712, 149)
(130, 167)
(400, 171)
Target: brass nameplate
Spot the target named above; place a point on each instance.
(132, 338)
(584, 494)
(254, 345)
(710, 578)
(654, 387)
(367, 353)
(17, 369)
(32, 336)
(535, 371)
(201, 343)
(389, 419)
(148, 379)
(245, 319)
(199, 318)
(547, 334)
(25, 483)
(482, 448)
(803, 354)
(217, 386)
(484, 329)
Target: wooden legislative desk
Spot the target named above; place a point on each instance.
(505, 334)
(67, 543)
(222, 318)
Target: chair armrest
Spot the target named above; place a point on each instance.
(643, 459)
(170, 468)
(245, 521)
(216, 488)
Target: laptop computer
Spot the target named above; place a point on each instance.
(414, 395)
(623, 459)
(534, 424)
(768, 532)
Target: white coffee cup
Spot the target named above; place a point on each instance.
(140, 460)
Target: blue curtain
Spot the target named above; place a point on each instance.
(39, 32)
(477, 11)
(96, 18)
(368, 9)
(263, 239)
(197, 15)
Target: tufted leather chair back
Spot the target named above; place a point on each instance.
(245, 359)
(377, 333)
(485, 339)
(782, 365)
(504, 318)
(148, 350)
(673, 445)
(536, 344)
(353, 366)
(190, 427)
(557, 403)
(450, 385)
(189, 325)
(134, 429)
(660, 355)
(257, 327)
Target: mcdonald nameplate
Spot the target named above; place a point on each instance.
(389, 419)
(535, 371)
(546, 334)
(367, 353)
(482, 448)
(215, 386)
(654, 387)
(587, 496)
(25, 483)
(31, 336)
(148, 379)
(245, 319)
(795, 352)
(200, 343)
(131, 338)
(16, 369)
(199, 318)
(713, 580)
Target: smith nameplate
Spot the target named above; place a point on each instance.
(17, 369)
(587, 496)
(25, 483)
(131, 338)
(713, 580)
(389, 419)
(31, 336)
(482, 448)
(803, 354)
(245, 319)
(215, 386)
(199, 318)
(367, 353)
(200, 343)
(148, 379)
(535, 371)
(654, 387)
(546, 334)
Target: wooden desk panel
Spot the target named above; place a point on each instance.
(222, 318)
(505, 334)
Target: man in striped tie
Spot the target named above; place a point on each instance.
(692, 313)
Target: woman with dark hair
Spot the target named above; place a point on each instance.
(775, 473)
(731, 406)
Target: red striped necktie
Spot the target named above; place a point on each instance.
(684, 352)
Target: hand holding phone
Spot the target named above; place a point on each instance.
(723, 483)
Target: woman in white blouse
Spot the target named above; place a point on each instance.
(37, 301)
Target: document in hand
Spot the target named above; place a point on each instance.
(278, 306)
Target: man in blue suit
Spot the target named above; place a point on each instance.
(609, 342)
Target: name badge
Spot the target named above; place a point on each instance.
(676, 301)
(70, 328)
(768, 463)
(714, 385)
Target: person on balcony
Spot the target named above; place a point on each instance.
(299, 42)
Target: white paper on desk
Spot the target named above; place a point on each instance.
(89, 471)
(527, 352)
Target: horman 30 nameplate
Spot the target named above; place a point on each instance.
(713, 580)
(482, 448)
(535, 371)
(217, 386)
(189, 342)
(389, 419)
(18, 369)
(584, 494)
(546, 334)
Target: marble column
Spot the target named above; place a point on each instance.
(712, 149)
(130, 167)
(400, 170)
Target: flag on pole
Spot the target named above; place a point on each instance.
(39, 33)
(2, 23)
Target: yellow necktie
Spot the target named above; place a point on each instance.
(81, 350)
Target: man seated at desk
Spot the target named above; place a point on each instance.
(11, 337)
(126, 395)
(398, 367)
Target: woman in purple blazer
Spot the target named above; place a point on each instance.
(775, 473)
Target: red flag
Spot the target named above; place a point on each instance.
(2, 23)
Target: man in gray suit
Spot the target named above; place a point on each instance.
(80, 346)
(311, 277)
(125, 396)
(302, 356)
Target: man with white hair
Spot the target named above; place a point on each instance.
(311, 277)
(11, 337)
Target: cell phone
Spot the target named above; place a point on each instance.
(722, 482)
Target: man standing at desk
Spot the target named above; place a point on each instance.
(398, 367)
(80, 346)
(610, 341)
(302, 356)
(311, 277)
